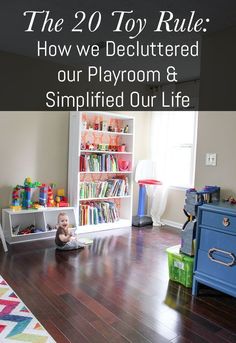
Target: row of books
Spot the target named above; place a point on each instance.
(101, 189)
(95, 213)
(98, 163)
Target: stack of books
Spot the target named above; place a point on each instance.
(98, 163)
(94, 213)
(103, 189)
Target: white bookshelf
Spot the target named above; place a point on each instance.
(79, 135)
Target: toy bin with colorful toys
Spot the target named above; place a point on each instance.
(33, 212)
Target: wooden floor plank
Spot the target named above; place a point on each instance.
(56, 333)
(119, 325)
(103, 327)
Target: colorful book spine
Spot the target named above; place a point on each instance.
(103, 189)
(94, 213)
(98, 163)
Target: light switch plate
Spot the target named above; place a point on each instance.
(210, 159)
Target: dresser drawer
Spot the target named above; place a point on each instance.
(205, 265)
(222, 221)
(215, 263)
(216, 239)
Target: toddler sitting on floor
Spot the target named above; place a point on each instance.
(64, 239)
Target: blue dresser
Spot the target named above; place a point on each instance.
(215, 262)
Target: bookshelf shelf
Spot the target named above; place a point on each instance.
(105, 198)
(107, 132)
(88, 168)
(106, 152)
(104, 226)
(35, 234)
(106, 172)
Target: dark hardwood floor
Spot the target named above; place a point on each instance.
(116, 290)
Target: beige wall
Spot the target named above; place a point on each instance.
(35, 144)
(174, 214)
(216, 133)
(32, 144)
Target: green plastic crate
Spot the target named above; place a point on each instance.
(180, 266)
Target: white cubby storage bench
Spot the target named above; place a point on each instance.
(42, 219)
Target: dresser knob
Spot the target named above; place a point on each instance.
(226, 222)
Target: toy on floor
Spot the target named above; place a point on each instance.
(193, 199)
(144, 176)
(85, 241)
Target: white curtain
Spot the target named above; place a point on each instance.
(157, 196)
(159, 142)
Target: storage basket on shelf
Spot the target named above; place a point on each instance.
(180, 266)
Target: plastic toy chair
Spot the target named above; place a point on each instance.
(145, 171)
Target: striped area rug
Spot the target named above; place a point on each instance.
(17, 323)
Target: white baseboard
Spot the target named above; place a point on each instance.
(173, 224)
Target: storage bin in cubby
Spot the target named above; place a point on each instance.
(34, 218)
